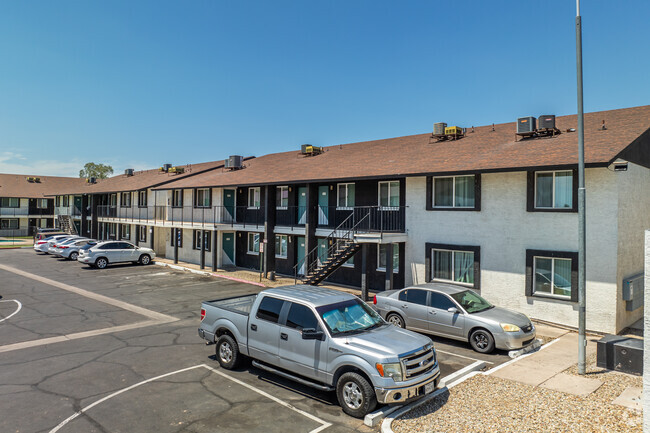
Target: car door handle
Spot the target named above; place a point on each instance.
(284, 336)
(405, 306)
(253, 327)
(432, 312)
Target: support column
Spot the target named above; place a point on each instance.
(151, 238)
(364, 271)
(311, 219)
(269, 235)
(137, 235)
(389, 266)
(215, 235)
(94, 225)
(176, 233)
(202, 249)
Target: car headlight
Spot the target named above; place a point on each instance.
(391, 369)
(509, 327)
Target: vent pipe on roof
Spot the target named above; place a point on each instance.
(603, 127)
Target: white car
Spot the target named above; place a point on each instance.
(65, 241)
(70, 249)
(103, 253)
(43, 245)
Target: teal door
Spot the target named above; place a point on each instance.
(77, 205)
(229, 205)
(300, 258)
(228, 246)
(302, 204)
(322, 251)
(323, 202)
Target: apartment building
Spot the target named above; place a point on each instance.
(488, 209)
(25, 204)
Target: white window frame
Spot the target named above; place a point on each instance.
(552, 189)
(550, 295)
(142, 195)
(383, 269)
(9, 202)
(347, 196)
(256, 197)
(128, 196)
(125, 234)
(388, 206)
(278, 239)
(9, 225)
(41, 203)
(453, 266)
(66, 200)
(453, 192)
(142, 234)
(248, 244)
(177, 198)
(206, 196)
(279, 205)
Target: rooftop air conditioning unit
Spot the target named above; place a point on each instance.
(234, 162)
(166, 167)
(526, 125)
(546, 122)
(33, 179)
(177, 170)
(128, 172)
(91, 180)
(439, 128)
(309, 150)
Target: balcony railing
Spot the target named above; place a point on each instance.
(70, 210)
(13, 211)
(371, 218)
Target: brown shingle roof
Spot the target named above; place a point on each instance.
(142, 179)
(16, 185)
(482, 150)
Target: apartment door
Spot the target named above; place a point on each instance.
(229, 205)
(228, 246)
(77, 205)
(323, 202)
(300, 259)
(302, 204)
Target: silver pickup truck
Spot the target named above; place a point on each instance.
(325, 339)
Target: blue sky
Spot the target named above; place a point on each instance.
(138, 84)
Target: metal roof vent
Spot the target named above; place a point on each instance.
(234, 162)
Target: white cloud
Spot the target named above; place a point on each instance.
(17, 164)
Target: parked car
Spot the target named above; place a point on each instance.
(43, 245)
(456, 312)
(325, 339)
(70, 249)
(103, 253)
(63, 241)
(44, 233)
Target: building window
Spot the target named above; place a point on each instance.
(41, 203)
(177, 198)
(253, 243)
(142, 233)
(254, 197)
(202, 197)
(345, 199)
(554, 189)
(142, 198)
(389, 194)
(281, 246)
(453, 263)
(9, 202)
(125, 199)
(381, 258)
(9, 224)
(552, 274)
(176, 235)
(66, 200)
(349, 263)
(454, 192)
(112, 200)
(125, 231)
(196, 240)
(57, 201)
(112, 230)
(282, 197)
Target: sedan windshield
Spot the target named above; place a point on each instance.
(471, 302)
(349, 317)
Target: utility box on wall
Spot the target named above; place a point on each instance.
(618, 353)
(633, 292)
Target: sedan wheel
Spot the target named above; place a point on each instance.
(101, 263)
(145, 259)
(395, 319)
(482, 341)
(73, 256)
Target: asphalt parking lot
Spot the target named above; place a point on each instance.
(116, 350)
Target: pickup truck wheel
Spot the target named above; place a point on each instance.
(395, 319)
(227, 352)
(101, 263)
(356, 396)
(481, 341)
(145, 259)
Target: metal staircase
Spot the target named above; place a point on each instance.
(341, 246)
(66, 224)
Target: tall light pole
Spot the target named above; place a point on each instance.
(582, 341)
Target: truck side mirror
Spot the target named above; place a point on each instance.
(312, 334)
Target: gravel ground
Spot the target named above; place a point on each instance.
(489, 404)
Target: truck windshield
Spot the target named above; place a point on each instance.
(471, 302)
(349, 317)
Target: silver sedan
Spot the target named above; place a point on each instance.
(456, 312)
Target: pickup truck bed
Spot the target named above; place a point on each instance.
(239, 304)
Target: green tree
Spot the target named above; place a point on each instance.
(99, 171)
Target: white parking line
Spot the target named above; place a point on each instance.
(462, 356)
(20, 306)
(323, 426)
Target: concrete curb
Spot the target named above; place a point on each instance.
(453, 380)
(208, 273)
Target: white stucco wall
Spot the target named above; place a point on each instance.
(186, 253)
(646, 341)
(505, 230)
(633, 219)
